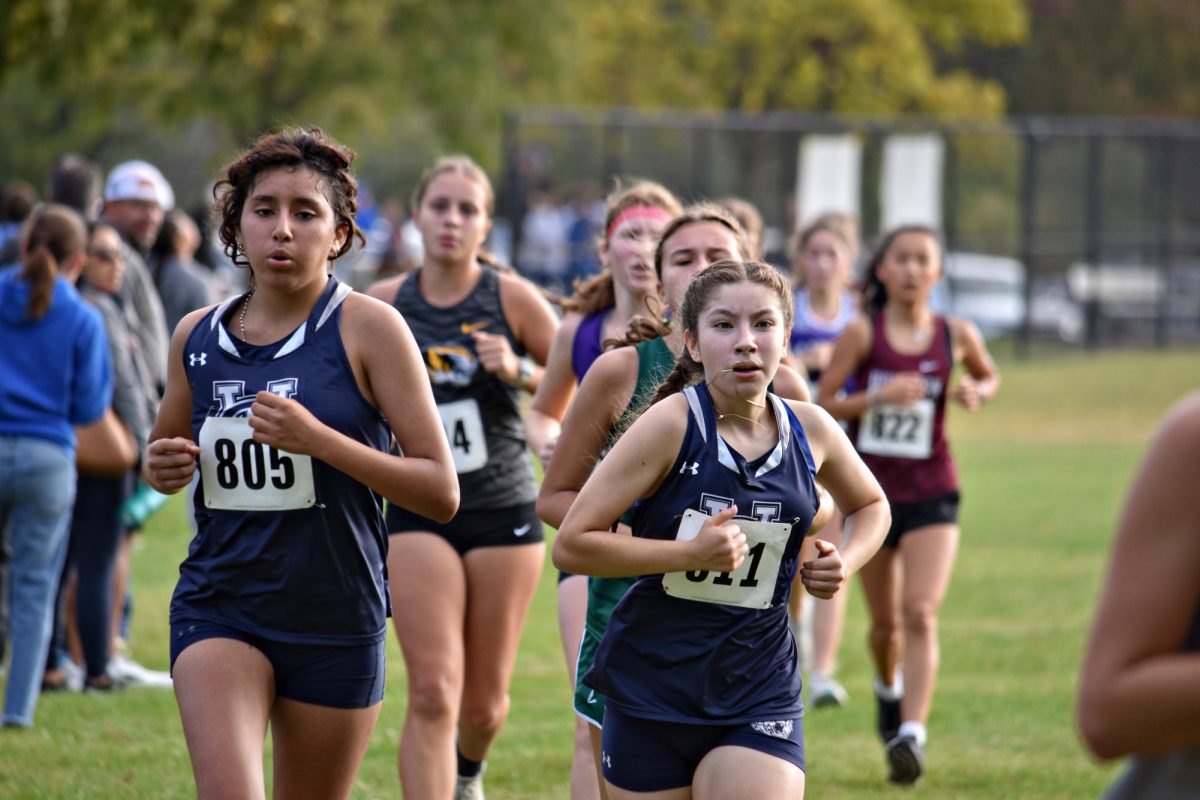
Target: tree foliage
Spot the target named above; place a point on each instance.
(1117, 57)
(856, 56)
(81, 69)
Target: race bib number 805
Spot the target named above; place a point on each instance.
(241, 474)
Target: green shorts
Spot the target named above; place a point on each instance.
(589, 704)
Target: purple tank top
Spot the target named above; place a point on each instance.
(587, 346)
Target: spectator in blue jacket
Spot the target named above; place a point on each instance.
(55, 373)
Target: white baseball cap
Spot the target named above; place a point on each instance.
(139, 180)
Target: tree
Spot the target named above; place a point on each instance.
(848, 56)
(83, 71)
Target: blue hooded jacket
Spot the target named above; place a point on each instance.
(55, 372)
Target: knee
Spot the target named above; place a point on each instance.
(583, 736)
(920, 620)
(433, 696)
(486, 713)
(884, 632)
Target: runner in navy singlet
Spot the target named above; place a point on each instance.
(599, 311)
(901, 356)
(619, 385)
(289, 396)
(698, 664)
(460, 591)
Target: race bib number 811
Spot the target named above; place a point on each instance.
(751, 585)
(241, 474)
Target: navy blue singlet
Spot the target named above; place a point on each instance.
(681, 660)
(312, 569)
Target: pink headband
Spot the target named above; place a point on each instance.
(635, 212)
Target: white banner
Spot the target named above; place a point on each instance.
(910, 191)
(829, 176)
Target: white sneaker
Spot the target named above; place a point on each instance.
(826, 692)
(124, 669)
(73, 673)
(470, 788)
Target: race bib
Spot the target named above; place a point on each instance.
(898, 431)
(752, 584)
(464, 430)
(241, 474)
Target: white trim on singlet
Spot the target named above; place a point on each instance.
(293, 343)
(342, 291)
(724, 455)
(298, 337)
(223, 338)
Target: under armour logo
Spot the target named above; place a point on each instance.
(693, 468)
(194, 359)
(606, 759)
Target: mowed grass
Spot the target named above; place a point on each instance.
(1044, 471)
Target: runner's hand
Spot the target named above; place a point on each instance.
(967, 393)
(496, 356)
(825, 574)
(169, 464)
(284, 424)
(903, 390)
(720, 546)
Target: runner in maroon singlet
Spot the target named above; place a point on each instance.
(902, 356)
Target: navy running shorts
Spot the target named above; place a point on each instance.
(645, 755)
(336, 676)
(941, 510)
(492, 527)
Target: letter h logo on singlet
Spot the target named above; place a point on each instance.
(761, 510)
(232, 401)
(692, 468)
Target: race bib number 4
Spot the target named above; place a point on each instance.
(241, 474)
(752, 584)
(464, 430)
(898, 431)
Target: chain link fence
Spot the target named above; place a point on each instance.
(1082, 231)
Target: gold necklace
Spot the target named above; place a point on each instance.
(721, 415)
(242, 316)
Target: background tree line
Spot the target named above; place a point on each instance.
(185, 83)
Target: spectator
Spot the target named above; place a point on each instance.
(56, 373)
(17, 199)
(181, 285)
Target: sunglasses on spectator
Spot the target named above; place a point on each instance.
(109, 254)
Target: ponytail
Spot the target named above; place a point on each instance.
(597, 293)
(53, 235)
(40, 271)
(488, 260)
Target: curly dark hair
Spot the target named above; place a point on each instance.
(288, 148)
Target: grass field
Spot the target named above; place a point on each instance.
(1044, 470)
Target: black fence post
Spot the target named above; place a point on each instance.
(512, 195)
(950, 195)
(613, 141)
(1164, 249)
(1092, 249)
(1029, 170)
